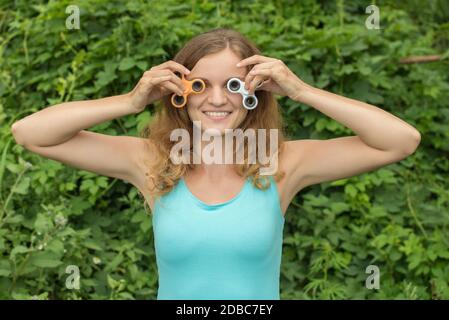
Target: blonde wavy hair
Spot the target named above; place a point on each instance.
(165, 174)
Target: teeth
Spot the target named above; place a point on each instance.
(217, 114)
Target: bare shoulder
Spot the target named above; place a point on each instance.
(292, 156)
(289, 162)
(313, 161)
(145, 156)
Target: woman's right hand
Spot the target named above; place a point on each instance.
(156, 83)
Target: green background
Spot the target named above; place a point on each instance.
(396, 217)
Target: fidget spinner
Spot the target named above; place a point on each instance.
(236, 85)
(191, 86)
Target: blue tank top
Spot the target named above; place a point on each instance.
(230, 250)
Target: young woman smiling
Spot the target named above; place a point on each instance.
(217, 227)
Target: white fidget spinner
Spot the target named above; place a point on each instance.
(235, 85)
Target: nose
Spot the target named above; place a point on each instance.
(217, 96)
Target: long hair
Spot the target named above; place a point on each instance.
(163, 173)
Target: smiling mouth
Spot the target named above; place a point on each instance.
(217, 115)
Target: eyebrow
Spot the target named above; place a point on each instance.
(204, 79)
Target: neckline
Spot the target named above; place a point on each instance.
(216, 205)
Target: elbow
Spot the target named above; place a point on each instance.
(412, 143)
(15, 133)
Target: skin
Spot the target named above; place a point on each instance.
(217, 69)
(380, 137)
(206, 180)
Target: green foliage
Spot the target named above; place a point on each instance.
(396, 217)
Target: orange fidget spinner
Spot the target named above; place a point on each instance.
(191, 86)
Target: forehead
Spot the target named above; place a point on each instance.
(218, 66)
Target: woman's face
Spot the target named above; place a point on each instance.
(215, 70)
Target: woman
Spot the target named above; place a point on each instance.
(217, 227)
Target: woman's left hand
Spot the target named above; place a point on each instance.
(279, 79)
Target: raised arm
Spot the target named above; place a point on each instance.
(58, 132)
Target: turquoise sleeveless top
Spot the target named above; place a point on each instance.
(230, 250)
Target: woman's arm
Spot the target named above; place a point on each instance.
(56, 133)
(57, 124)
(375, 127)
(381, 139)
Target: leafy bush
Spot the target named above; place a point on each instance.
(396, 218)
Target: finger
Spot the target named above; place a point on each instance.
(148, 84)
(172, 65)
(264, 82)
(254, 83)
(164, 81)
(262, 66)
(178, 81)
(153, 81)
(252, 73)
(173, 77)
(263, 73)
(172, 87)
(177, 66)
(253, 60)
(265, 65)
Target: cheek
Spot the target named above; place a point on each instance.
(193, 115)
(193, 104)
(193, 107)
(241, 113)
(236, 99)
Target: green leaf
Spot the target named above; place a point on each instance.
(45, 260)
(350, 190)
(112, 282)
(126, 64)
(142, 65)
(19, 249)
(5, 268)
(43, 223)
